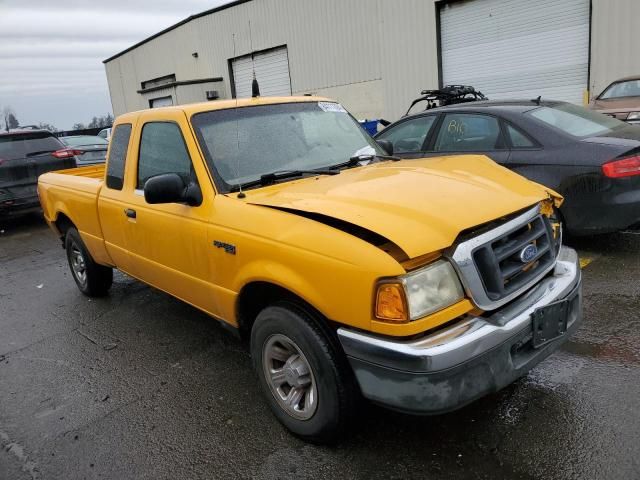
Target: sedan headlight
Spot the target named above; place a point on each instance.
(634, 116)
(418, 293)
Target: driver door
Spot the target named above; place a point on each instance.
(168, 242)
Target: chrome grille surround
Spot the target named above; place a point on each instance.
(482, 282)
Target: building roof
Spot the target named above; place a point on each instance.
(173, 27)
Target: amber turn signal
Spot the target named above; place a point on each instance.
(391, 303)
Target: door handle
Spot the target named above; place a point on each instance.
(130, 213)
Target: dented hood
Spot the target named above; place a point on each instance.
(420, 205)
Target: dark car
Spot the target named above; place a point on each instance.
(24, 156)
(590, 158)
(88, 149)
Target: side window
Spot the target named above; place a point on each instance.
(409, 136)
(518, 139)
(118, 156)
(162, 150)
(462, 132)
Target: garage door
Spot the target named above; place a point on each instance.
(161, 102)
(272, 72)
(517, 48)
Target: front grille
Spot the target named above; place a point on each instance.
(490, 262)
(500, 264)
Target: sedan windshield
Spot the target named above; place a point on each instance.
(629, 88)
(576, 121)
(241, 145)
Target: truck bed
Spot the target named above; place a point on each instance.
(90, 171)
(74, 194)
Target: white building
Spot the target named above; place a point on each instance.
(375, 56)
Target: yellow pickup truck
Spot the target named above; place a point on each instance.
(421, 285)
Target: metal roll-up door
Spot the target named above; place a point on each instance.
(517, 48)
(272, 72)
(161, 102)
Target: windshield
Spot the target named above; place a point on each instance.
(242, 144)
(575, 120)
(630, 88)
(81, 140)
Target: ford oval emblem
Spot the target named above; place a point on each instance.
(528, 253)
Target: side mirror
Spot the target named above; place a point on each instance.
(170, 188)
(386, 145)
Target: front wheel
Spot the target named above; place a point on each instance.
(303, 372)
(93, 280)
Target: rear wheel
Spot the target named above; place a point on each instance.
(303, 372)
(93, 280)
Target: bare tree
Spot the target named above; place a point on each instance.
(10, 119)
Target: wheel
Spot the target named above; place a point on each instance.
(303, 372)
(92, 279)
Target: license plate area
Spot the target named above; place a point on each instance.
(550, 322)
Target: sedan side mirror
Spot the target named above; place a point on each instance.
(386, 145)
(170, 188)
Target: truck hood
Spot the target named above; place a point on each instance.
(419, 205)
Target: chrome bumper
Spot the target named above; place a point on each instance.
(478, 355)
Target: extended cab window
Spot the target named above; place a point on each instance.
(461, 132)
(118, 156)
(409, 136)
(162, 150)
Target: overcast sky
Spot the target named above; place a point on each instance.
(51, 52)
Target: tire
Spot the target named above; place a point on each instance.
(92, 279)
(326, 408)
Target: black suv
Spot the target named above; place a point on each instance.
(24, 156)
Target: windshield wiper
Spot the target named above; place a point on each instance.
(356, 159)
(273, 177)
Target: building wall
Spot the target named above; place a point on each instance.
(374, 56)
(614, 52)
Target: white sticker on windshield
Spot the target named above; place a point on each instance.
(366, 150)
(331, 107)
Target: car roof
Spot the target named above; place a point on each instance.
(77, 136)
(516, 105)
(25, 131)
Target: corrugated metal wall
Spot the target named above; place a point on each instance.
(374, 56)
(614, 48)
(331, 44)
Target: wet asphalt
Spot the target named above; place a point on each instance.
(140, 385)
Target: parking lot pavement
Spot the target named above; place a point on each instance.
(140, 385)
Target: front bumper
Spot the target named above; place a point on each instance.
(478, 355)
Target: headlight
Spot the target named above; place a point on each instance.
(634, 116)
(418, 293)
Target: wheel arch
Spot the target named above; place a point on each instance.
(259, 294)
(63, 223)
